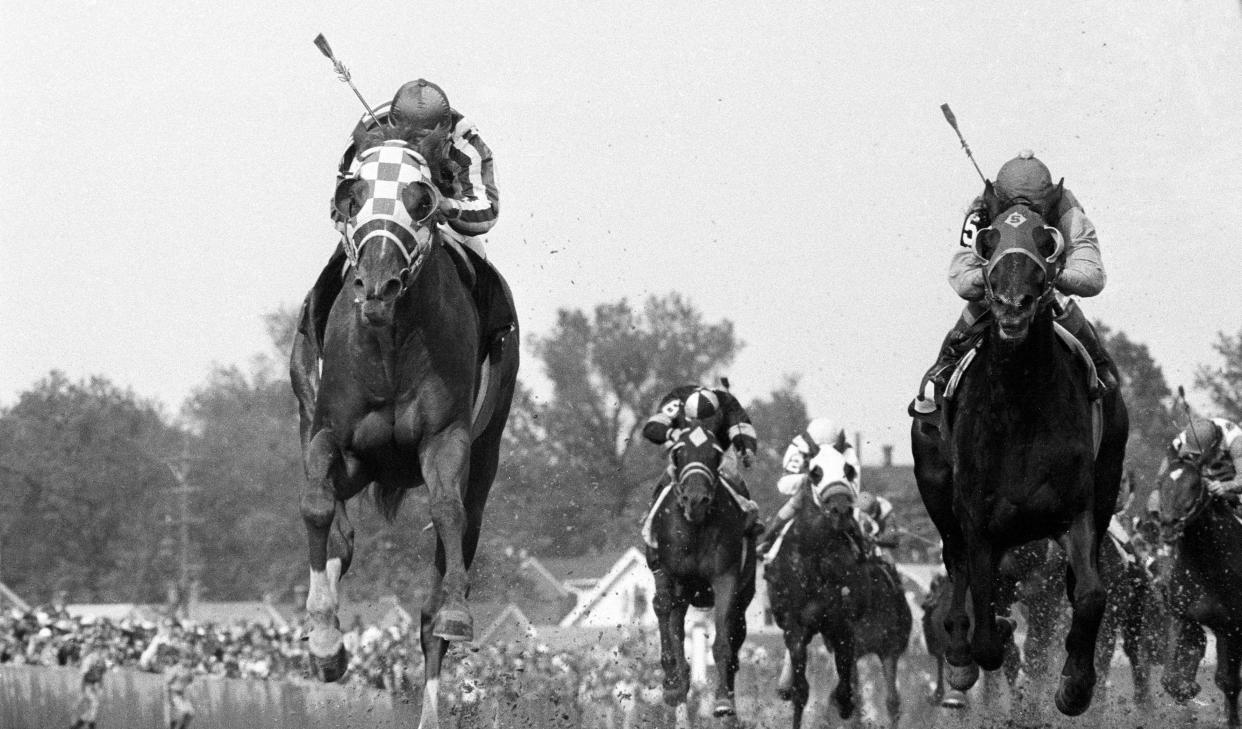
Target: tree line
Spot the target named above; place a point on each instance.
(108, 498)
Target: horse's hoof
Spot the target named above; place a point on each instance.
(1073, 698)
(454, 625)
(954, 700)
(962, 678)
(333, 667)
(724, 707)
(1182, 691)
(674, 696)
(784, 693)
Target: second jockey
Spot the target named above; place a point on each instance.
(1217, 444)
(1023, 178)
(719, 412)
(820, 433)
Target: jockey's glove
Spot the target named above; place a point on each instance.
(450, 208)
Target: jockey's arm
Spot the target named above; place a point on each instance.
(1082, 273)
(1233, 451)
(741, 434)
(476, 201)
(889, 535)
(966, 274)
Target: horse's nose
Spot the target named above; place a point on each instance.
(375, 312)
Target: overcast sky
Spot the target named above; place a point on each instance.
(166, 174)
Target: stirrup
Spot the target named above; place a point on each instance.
(925, 402)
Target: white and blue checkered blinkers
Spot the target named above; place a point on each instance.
(389, 195)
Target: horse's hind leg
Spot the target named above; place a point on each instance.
(1133, 642)
(1228, 661)
(670, 609)
(318, 507)
(1078, 676)
(730, 632)
(892, 702)
(841, 641)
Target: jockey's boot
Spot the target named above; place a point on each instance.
(491, 297)
(1071, 317)
(750, 512)
(956, 343)
(327, 287)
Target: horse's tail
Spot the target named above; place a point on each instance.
(388, 498)
(304, 370)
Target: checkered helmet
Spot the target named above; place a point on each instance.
(421, 105)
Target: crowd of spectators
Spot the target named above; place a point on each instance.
(485, 685)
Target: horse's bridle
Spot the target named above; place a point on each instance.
(695, 467)
(1202, 499)
(1047, 264)
(394, 165)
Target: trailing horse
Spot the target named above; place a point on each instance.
(821, 582)
(395, 390)
(706, 561)
(1012, 459)
(1205, 583)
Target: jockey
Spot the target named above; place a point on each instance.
(1081, 274)
(878, 525)
(465, 179)
(1221, 441)
(819, 433)
(721, 414)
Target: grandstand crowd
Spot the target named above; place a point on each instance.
(593, 685)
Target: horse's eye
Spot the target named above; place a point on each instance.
(817, 474)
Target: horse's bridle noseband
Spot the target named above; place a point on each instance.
(695, 467)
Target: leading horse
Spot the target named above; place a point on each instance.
(1204, 583)
(821, 582)
(1012, 460)
(398, 393)
(706, 560)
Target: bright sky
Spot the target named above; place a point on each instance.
(166, 173)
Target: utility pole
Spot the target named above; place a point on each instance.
(182, 492)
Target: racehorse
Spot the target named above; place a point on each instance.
(935, 607)
(1203, 587)
(706, 561)
(1012, 460)
(821, 582)
(407, 395)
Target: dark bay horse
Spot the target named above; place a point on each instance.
(1013, 459)
(395, 396)
(707, 561)
(1205, 583)
(821, 583)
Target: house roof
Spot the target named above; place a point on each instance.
(585, 567)
(545, 576)
(225, 613)
(511, 620)
(10, 597)
(627, 560)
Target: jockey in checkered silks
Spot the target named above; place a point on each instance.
(466, 181)
(1081, 274)
(724, 417)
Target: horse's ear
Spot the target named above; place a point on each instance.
(991, 201)
(1053, 202)
(350, 194)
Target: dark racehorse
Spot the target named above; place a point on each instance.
(401, 400)
(1205, 583)
(1013, 461)
(935, 608)
(706, 561)
(821, 583)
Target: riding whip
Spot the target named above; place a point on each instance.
(949, 117)
(343, 74)
(1181, 394)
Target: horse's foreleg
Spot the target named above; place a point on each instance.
(1185, 652)
(318, 507)
(1133, 617)
(670, 610)
(888, 664)
(841, 639)
(962, 669)
(798, 691)
(1228, 661)
(991, 633)
(724, 652)
(1081, 544)
(444, 458)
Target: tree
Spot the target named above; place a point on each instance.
(1224, 383)
(777, 419)
(85, 477)
(1150, 405)
(580, 450)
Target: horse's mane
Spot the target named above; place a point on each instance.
(432, 146)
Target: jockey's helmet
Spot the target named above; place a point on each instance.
(701, 404)
(1201, 436)
(822, 431)
(1025, 176)
(867, 503)
(420, 105)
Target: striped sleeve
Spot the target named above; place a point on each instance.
(475, 184)
(739, 431)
